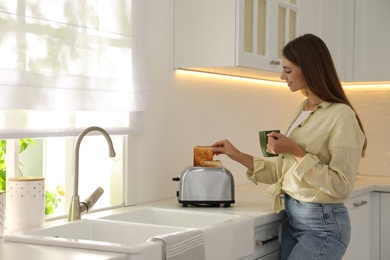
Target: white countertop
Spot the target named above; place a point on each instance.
(249, 200)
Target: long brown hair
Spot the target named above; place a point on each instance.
(311, 54)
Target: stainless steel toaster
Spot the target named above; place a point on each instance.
(205, 186)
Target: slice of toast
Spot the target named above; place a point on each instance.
(216, 163)
(202, 153)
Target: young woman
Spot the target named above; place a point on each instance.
(319, 154)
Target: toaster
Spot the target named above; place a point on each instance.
(205, 186)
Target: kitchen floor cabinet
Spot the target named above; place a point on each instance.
(384, 226)
(359, 209)
(267, 242)
(233, 37)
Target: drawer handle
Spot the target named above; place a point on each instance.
(359, 204)
(264, 242)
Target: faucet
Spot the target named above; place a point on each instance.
(77, 208)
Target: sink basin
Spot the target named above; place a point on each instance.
(130, 238)
(171, 217)
(226, 236)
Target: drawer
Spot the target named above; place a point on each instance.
(355, 203)
(267, 239)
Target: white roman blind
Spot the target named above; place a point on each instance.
(66, 65)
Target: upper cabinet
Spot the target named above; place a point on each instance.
(245, 37)
(356, 33)
(371, 40)
(242, 38)
(332, 21)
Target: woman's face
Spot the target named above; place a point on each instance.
(292, 74)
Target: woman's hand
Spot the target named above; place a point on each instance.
(225, 147)
(283, 144)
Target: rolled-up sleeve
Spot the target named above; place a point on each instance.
(264, 171)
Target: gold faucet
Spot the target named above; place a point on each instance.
(77, 208)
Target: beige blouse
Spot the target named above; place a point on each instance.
(333, 140)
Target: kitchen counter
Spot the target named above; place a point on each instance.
(249, 200)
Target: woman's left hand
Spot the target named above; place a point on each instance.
(278, 143)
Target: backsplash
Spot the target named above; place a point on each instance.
(373, 107)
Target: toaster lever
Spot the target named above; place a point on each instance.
(176, 179)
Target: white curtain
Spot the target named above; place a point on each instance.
(69, 64)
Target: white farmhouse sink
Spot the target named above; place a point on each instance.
(226, 236)
(171, 217)
(130, 238)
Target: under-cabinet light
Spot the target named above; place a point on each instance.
(231, 77)
(367, 86)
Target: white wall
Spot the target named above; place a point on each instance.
(187, 110)
(374, 110)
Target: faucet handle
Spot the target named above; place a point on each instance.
(88, 203)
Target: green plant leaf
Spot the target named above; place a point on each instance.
(51, 202)
(24, 143)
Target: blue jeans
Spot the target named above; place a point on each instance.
(315, 231)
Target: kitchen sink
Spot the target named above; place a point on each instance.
(130, 238)
(171, 217)
(226, 236)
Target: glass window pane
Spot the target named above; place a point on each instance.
(281, 30)
(53, 158)
(261, 8)
(292, 29)
(248, 26)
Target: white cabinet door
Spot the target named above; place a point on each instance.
(332, 21)
(360, 214)
(204, 33)
(256, 34)
(385, 226)
(265, 27)
(372, 40)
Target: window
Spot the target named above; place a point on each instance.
(67, 65)
(53, 159)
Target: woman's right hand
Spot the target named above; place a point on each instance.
(225, 147)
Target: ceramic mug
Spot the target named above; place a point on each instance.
(264, 142)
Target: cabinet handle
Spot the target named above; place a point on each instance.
(359, 204)
(274, 62)
(263, 242)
